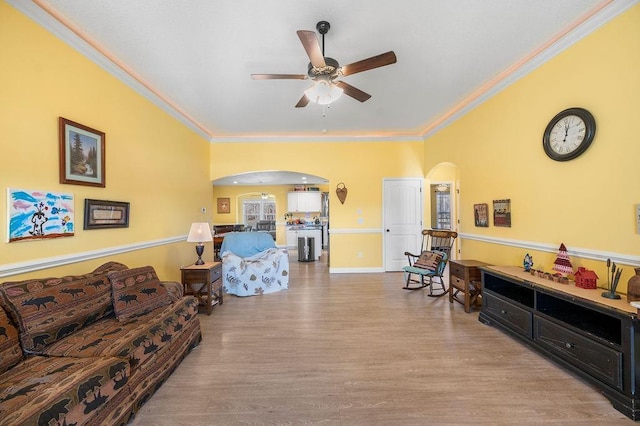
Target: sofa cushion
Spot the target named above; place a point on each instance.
(137, 291)
(137, 339)
(42, 390)
(48, 309)
(10, 350)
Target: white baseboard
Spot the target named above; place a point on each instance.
(355, 270)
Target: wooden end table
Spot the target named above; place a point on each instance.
(464, 277)
(204, 282)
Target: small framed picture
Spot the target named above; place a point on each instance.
(99, 214)
(481, 214)
(224, 205)
(81, 154)
(502, 213)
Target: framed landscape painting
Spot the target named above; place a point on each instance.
(81, 154)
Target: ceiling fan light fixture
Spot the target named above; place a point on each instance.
(323, 92)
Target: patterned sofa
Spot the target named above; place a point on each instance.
(90, 349)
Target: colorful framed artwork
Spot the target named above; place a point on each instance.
(81, 154)
(481, 215)
(37, 215)
(100, 214)
(224, 205)
(502, 213)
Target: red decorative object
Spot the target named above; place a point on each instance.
(562, 263)
(586, 278)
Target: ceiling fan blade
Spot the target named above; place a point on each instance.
(279, 76)
(369, 63)
(354, 92)
(312, 47)
(303, 102)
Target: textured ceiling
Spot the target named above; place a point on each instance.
(195, 57)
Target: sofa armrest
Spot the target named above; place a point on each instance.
(175, 290)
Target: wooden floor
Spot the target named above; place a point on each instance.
(356, 349)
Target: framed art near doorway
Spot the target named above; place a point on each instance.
(224, 205)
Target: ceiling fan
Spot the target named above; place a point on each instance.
(326, 72)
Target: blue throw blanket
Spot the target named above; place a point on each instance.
(245, 244)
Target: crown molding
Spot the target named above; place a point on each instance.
(311, 138)
(610, 10)
(38, 14)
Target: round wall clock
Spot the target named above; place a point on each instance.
(569, 134)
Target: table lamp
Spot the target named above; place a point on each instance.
(199, 233)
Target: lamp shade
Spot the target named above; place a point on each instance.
(323, 92)
(200, 232)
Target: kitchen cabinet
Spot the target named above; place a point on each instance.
(294, 234)
(304, 201)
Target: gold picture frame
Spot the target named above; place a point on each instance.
(82, 154)
(224, 205)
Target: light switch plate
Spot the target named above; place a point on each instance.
(638, 218)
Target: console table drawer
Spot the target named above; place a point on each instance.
(512, 316)
(598, 360)
(456, 270)
(216, 274)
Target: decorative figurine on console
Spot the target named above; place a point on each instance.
(586, 278)
(527, 262)
(615, 278)
(562, 264)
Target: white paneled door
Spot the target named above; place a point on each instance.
(402, 217)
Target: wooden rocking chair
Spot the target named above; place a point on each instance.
(427, 268)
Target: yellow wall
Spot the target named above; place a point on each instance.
(495, 151)
(587, 203)
(152, 161)
(361, 166)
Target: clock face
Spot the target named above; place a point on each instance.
(569, 134)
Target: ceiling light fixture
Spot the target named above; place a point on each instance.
(323, 92)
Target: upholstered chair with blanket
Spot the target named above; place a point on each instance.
(252, 264)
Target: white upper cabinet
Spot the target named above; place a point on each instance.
(305, 201)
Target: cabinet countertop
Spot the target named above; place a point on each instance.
(590, 295)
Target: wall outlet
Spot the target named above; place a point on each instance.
(360, 254)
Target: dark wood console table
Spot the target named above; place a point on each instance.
(595, 337)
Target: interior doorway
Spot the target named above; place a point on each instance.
(402, 220)
(441, 204)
